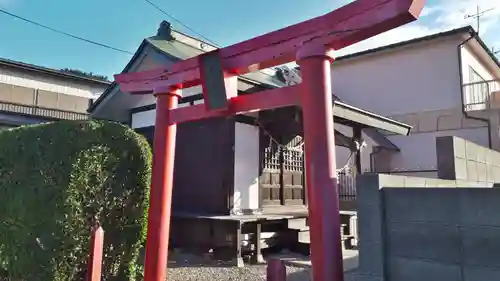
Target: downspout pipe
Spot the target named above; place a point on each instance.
(462, 94)
(373, 154)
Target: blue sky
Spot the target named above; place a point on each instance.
(124, 23)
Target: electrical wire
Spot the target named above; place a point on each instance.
(65, 33)
(180, 22)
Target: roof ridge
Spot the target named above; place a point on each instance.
(467, 28)
(48, 70)
(199, 48)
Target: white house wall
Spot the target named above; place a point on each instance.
(470, 60)
(473, 95)
(403, 80)
(418, 152)
(45, 82)
(418, 85)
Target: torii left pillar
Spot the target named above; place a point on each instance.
(160, 195)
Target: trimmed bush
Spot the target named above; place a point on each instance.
(55, 179)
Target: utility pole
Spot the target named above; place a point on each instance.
(478, 16)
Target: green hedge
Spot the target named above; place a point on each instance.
(54, 179)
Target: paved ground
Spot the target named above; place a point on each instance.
(189, 268)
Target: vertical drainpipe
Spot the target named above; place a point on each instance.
(464, 112)
(373, 154)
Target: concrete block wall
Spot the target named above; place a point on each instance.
(411, 229)
(463, 160)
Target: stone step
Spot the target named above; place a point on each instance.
(305, 238)
(263, 235)
(298, 224)
(264, 244)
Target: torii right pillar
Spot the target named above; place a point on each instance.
(321, 178)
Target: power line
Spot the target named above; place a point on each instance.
(180, 22)
(65, 33)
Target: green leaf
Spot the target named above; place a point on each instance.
(54, 178)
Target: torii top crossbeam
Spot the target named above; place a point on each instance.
(340, 28)
(309, 42)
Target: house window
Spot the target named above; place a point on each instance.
(478, 91)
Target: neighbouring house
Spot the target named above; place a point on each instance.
(445, 84)
(233, 173)
(31, 94)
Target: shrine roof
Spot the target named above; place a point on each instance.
(355, 117)
(179, 46)
(181, 50)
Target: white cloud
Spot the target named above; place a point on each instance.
(428, 11)
(453, 12)
(442, 16)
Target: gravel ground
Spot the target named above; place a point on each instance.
(248, 273)
(190, 268)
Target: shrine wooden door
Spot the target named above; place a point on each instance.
(282, 173)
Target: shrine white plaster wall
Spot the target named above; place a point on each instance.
(246, 167)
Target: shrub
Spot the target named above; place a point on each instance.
(55, 179)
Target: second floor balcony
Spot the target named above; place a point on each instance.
(482, 95)
(41, 112)
(23, 105)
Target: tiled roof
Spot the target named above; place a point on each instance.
(50, 71)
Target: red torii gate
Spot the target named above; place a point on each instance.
(310, 43)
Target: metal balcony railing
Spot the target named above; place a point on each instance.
(480, 95)
(35, 111)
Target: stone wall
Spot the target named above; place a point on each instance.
(463, 160)
(426, 229)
